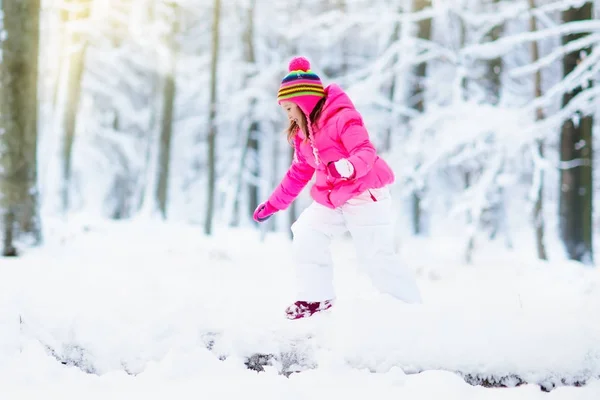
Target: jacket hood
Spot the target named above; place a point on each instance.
(336, 101)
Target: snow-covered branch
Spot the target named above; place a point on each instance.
(555, 55)
(491, 50)
(585, 72)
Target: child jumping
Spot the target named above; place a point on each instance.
(350, 193)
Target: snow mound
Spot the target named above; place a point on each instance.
(157, 302)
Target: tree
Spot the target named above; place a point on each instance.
(538, 216)
(19, 46)
(493, 66)
(212, 128)
(575, 204)
(166, 133)
(395, 93)
(249, 126)
(253, 130)
(418, 102)
(77, 44)
(493, 92)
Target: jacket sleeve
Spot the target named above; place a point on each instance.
(355, 138)
(296, 178)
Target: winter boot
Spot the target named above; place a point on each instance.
(303, 309)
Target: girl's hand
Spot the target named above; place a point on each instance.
(264, 211)
(341, 168)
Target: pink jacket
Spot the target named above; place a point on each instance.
(340, 134)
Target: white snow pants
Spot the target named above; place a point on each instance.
(370, 224)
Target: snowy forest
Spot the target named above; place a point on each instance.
(137, 138)
(166, 109)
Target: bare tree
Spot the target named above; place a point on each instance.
(19, 47)
(169, 91)
(493, 66)
(249, 157)
(212, 129)
(394, 91)
(538, 210)
(77, 44)
(418, 102)
(575, 204)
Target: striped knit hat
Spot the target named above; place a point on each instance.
(301, 86)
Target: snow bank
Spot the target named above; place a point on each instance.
(130, 305)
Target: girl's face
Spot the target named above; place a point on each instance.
(294, 113)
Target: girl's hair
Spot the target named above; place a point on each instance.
(292, 129)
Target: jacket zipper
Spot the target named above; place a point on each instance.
(372, 197)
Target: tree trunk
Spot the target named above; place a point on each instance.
(63, 18)
(493, 86)
(493, 73)
(212, 131)
(417, 96)
(469, 218)
(575, 204)
(75, 67)
(395, 120)
(251, 144)
(146, 196)
(18, 123)
(252, 148)
(424, 33)
(538, 209)
(164, 149)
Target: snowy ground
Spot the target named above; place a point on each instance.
(151, 310)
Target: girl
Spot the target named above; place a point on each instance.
(350, 193)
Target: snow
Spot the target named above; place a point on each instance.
(155, 309)
(143, 309)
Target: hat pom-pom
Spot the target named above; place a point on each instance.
(299, 64)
